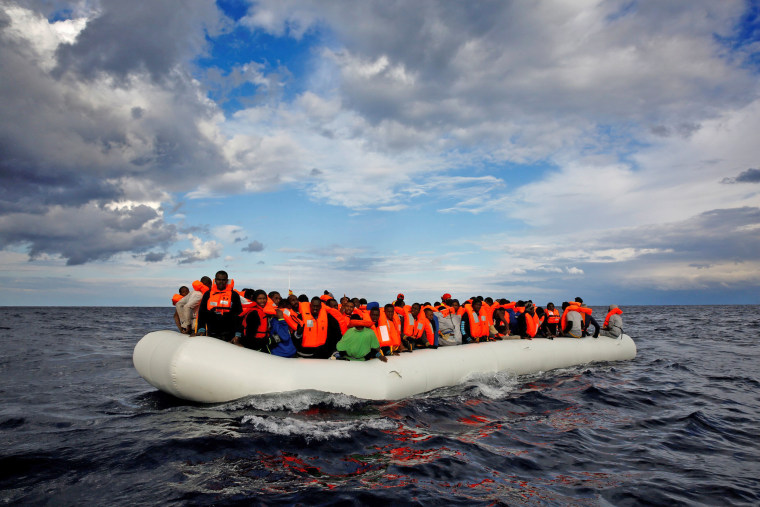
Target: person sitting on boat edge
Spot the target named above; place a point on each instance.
(187, 307)
(613, 323)
(319, 333)
(571, 321)
(359, 344)
(474, 325)
(256, 330)
(220, 309)
(181, 293)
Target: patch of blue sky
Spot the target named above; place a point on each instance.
(746, 36)
(64, 14)
(230, 51)
(233, 9)
(620, 140)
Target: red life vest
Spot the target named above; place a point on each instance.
(220, 301)
(553, 316)
(394, 328)
(341, 317)
(176, 298)
(314, 329)
(614, 311)
(262, 331)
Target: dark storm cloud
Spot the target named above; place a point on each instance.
(154, 257)
(748, 176)
(139, 36)
(72, 141)
(86, 233)
(254, 246)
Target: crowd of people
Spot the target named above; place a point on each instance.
(355, 329)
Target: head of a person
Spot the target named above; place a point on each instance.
(332, 303)
(445, 298)
(284, 303)
(388, 309)
(550, 306)
(260, 297)
(362, 302)
(303, 298)
(399, 297)
(454, 305)
(206, 281)
(612, 307)
(184, 291)
(489, 300)
(539, 311)
(221, 279)
(374, 314)
(565, 304)
(348, 307)
(293, 300)
(477, 304)
(415, 310)
(579, 300)
(429, 312)
(356, 302)
(343, 300)
(275, 297)
(249, 294)
(316, 306)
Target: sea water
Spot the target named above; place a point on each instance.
(677, 425)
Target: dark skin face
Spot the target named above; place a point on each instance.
(316, 306)
(333, 304)
(348, 307)
(428, 314)
(388, 313)
(374, 315)
(415, 310)
(476, 305)
(184, 291)
(276, 298)
(455, 306)
(293, 300)
(261, 300)
(221, 281)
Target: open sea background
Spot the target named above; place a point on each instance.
(677, 425)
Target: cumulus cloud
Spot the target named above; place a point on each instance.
(200, 251)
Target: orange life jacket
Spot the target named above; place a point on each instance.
(200, 287)
(531, 324)
(314, 329)
(424, 328)
(394, 328)
(383, 332)
(176, 298)
(409, 327)
(552, 316)
(263, 330)
(220, 301)
(614, 311)
(478, 323)
(291, 319)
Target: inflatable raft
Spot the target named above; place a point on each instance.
(208, 370)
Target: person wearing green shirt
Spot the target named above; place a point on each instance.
(359, 344)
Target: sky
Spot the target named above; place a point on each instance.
(541, 150)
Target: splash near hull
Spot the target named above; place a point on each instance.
(208, 370)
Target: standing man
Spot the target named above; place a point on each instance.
(220, 309)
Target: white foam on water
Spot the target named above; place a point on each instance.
(296, 401)
(315, 430)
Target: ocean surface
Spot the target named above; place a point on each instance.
(679, 425)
